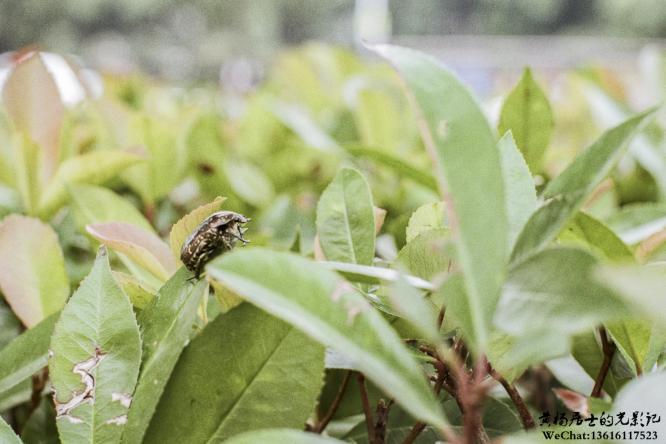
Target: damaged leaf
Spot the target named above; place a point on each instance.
(94, 360)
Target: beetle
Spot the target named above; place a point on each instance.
(217, 234)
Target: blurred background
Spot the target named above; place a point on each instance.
(205, 39)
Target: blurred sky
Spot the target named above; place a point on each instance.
(183, 40)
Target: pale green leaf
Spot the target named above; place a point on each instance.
(429, 254)
(32, 269)
(245, 371)
(520, 195)
(459, 140)
(644, 288)
(327, 308)
(138, 292)
(588, 231)
(527, 114)
(249, 182)
(412, 305)
(590, 167)
(166, 325)
(632, 337)
(397, 164)
(636, 222)
(427, 217)
(555, 290)
(345, 219)
(94, 204)
(644, 394)
(574, 184)
(95, 355)
(26, 166)
(186, 225)
(587, 351)
(95, 167)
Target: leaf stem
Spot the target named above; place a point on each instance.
(608, 348)
(369, 422)
(334, 405)
(383, 409)
(525, 415)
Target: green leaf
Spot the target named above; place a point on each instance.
(94, 168)
(379, 119)
(574, 184)
(245, 371)
(374, 275)
(429, 254)
(632, 338)
(412, 305)
(641, 288)
(427, 217)
(555, 290)
(167, 158)
(166, 327)
(459, 140)
(96, 204)
(26, 354)
(32, 269)
(588, 231)
(141, 246)
(345, 219)
(636, 222)
(186, 225)
(527, 114)
(510, 356)
(327, 308)
(281, 436)
(302, 124)
(587, 351)
(521, 199)
(96, 353)
(400, 166)
(139, 294)
(7, 435)
(452, 294)
(590, 167)
(249, 182)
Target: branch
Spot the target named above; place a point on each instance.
(440, 382)
(370, 424)
(383, 409)
(523, 411)
(334, 405)
(608, 348)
